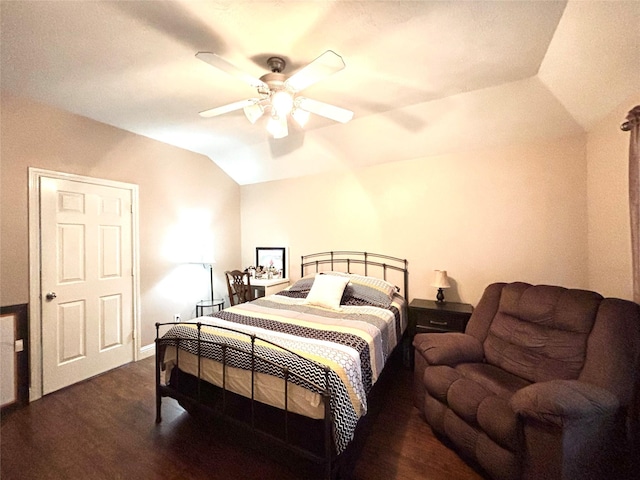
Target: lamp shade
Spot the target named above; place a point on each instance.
(202, 260)
(208, 260)
(441, 280)
(253, 112)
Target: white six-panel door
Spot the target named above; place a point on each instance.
(86, 280)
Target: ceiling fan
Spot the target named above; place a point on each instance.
(278, 94)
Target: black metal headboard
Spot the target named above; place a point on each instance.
(373, 264)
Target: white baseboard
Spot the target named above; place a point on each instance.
(147, 351)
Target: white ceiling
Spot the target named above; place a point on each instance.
(423, 78)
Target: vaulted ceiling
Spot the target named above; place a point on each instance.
(423, 78)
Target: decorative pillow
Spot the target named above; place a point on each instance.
(366, 295)
(302, 285)
(327, 291)
(374, 291)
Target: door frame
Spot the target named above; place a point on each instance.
(35, 294)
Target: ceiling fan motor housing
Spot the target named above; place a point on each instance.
(276, 64)
(275, 83)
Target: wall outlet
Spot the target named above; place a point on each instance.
(176, 317)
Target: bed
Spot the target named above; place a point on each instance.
(296, 367)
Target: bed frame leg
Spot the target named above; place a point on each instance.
(328, 474)
(158, 405)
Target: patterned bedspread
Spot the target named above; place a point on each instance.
(354, 343)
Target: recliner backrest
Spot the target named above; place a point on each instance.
(613, 351)
(540, 332)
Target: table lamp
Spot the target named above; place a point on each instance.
(441, 282)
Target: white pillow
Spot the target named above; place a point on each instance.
(327, 291)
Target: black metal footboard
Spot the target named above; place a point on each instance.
(197, 392)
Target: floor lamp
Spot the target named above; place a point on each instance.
(208, 263)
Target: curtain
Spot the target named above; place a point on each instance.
(633, 125)
(633, 119)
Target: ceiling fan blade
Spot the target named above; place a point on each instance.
(214, 112)
(338, 114)
(325, 65)
(227, 67)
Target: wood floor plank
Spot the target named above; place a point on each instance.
(104, 428)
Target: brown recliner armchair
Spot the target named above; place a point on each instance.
(544, 383)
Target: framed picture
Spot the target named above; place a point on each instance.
(272, 256)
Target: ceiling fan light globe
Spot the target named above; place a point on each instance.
(277, 126)
(282, 102)
(300, 116)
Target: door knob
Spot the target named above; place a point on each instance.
(51, 295)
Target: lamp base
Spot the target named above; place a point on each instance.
(211, 278)
(440, 296)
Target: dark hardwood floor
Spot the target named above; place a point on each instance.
(104, 428)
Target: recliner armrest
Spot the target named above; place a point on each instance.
(448, 348)
(558, 401)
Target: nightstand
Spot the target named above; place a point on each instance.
(218, 303)
(428, 316)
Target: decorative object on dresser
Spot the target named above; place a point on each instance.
(544, 383)
(271, 262)
(441, 281)
(287, 369)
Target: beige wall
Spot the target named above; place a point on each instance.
(181, 194)
(608, 193)
(517, 213)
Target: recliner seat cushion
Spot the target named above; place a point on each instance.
(494, 379)
(479, 394)
(464, 397)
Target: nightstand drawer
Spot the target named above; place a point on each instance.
(440, 323)
(428, 316)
